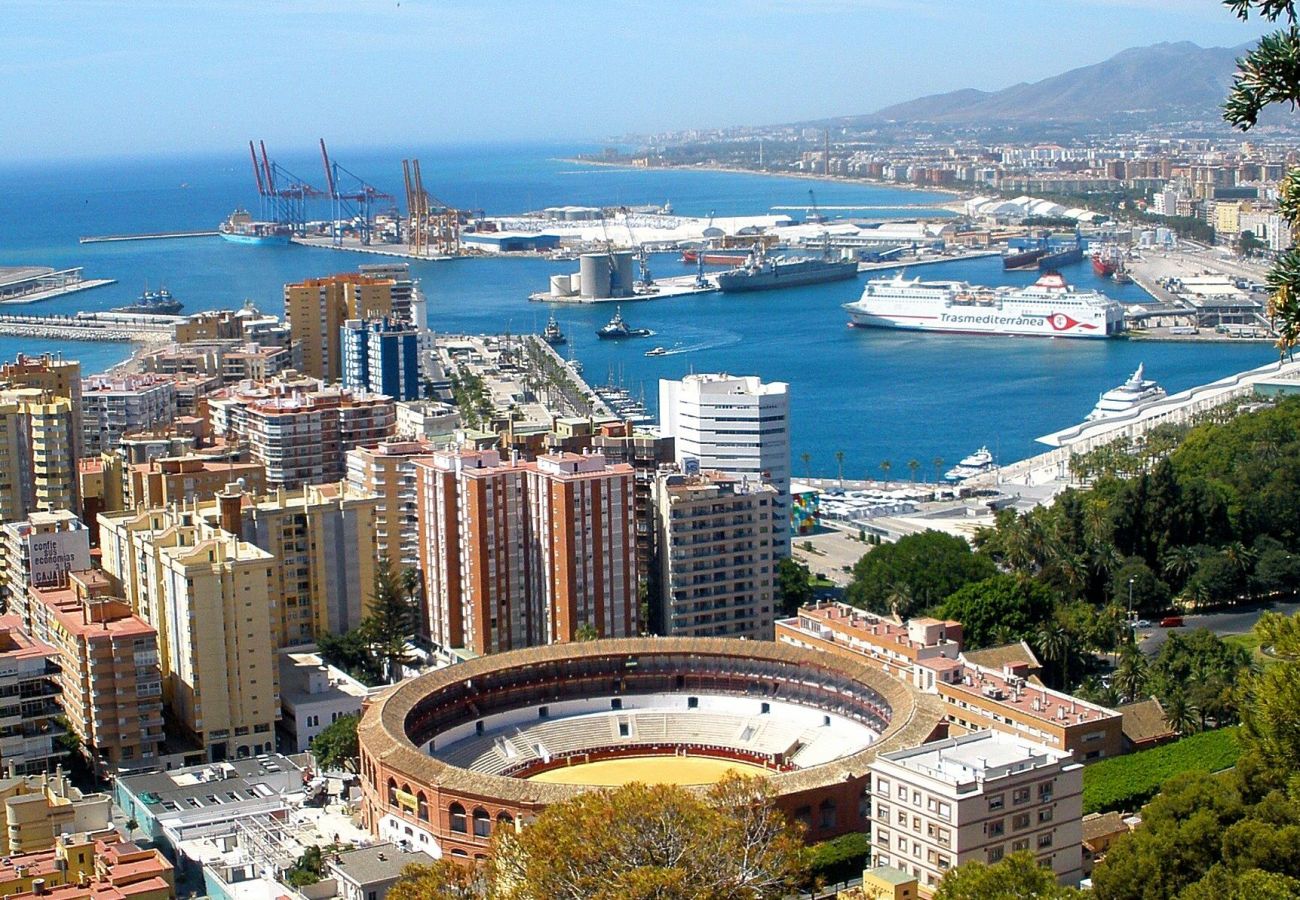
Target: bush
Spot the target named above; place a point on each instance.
(840, 859)
(1125, 783)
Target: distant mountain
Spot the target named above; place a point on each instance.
(1163, 82)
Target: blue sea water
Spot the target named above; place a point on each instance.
(874, 395)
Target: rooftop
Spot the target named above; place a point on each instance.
(304, 677)
(371, 865)
(1009, 690)
(971, 759)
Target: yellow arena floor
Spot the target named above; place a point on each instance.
(648, 769)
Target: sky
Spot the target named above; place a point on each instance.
(104, 78)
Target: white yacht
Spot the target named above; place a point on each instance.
(977, 463)
(1137, 390)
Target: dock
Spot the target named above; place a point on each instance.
(662, 289)
(32, 284)
(152, 236)
(398, 251)
(111, 327)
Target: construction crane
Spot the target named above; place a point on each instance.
(816, 216)
(356, 204)
(642, 257)
(430, 223)
(282, 195)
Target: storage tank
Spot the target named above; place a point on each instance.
(561, 286)
(605, 275)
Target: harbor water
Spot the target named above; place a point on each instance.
(872, 395)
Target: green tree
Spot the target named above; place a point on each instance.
(351, 652)
(654, 841)
(390, 622)
(793, 585)
(997, 607)
(913, 466)
(930, 565)
(1271, 699)
(806, 458)
(937, 462)
(885, 467)
(307, 870)
(839, 466)
(336, 746)
(442, 880)
(1130, 679)
(1134, 586)
(1018, 875)
(585, 632)
(1277, 571)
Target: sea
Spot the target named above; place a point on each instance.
(873, 396)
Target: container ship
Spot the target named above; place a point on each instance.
(240, 228)
(1047, 308)
(765, 274)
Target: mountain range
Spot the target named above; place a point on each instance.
(1163, 82)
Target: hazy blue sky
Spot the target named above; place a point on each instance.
(112, 77)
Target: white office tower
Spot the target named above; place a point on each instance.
(736, 425)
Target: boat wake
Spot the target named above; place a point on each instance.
(726, 339)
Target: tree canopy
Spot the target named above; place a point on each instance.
(336, 747)
(1018, 875)
(915, 573)
(998, 609)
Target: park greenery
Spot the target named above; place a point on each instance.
(375, 652)
(653, 841)
(1125, 783)
(337, 747)
(1017, 875)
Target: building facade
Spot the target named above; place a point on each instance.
(381, 356)
(38, 441)
(387, 470)
(114, 406)
(29, 686)
(736, 425)
(40, 551)
(316, 309)
(715, 563)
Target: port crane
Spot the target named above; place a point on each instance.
(356, 204)
(816, 216)
(642, 257)
(282, 196)
(428, 219)
(615, 282)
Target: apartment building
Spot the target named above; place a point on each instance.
(55, 377)
(40, 550)
(736, 425)
(300, 431)
(405, 303)
(715, 563)
(646, 452)
(316, 309)
(29, 684)
(381, 356)
(112, 406)
(37, 809)
(89, 866)
(211, 597)
(314, 695)
(38, 439)
(387, 470)
(524, 554)
(111, 680)
(977, 797)
(927, 652)
(185, 479)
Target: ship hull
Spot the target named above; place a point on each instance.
(715, 259)
(1103, 268)
(1060, 258)
(1026, 259)
(740, 282)
(261, 240)
(1007, 323)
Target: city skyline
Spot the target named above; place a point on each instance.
(152, 78)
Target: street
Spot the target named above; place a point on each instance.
(1221, 623)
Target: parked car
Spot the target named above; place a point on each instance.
(1171, 622)
(1143, 623)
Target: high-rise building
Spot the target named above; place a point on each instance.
(715, 574)
(524, 554)
(211, 597)
(56, 377)
(40, 551)
(381, 356)
(28, 709)
(403, 291)
(387, 470)
(111, 681)
(300, 432)
(37, 464)
(736, 425)
(317, 308)
(977, 798)
(114, 406)
(645, 452)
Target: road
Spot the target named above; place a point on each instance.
(1222, 623)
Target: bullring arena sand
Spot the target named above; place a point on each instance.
(685, 770)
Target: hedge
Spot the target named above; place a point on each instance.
(1125, 783)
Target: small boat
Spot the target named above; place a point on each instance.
(617, 329)
(153, 303)
(657, 351)
(552, 333)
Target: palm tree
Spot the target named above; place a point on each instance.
(1054, 644)
(1198, 592)
(839, 463)
(900, 599)
(937, 462)
(913, 465)
(806, 457)
(1180, 715)
(1179, 563)
(1242, 558)
(1131, 676)
(885, 466)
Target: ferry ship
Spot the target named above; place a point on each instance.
(240, 228)
(1047, 308)
(1137, 390)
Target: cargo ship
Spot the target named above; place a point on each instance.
(713, 258)
(764, 274)
(1022, 259)
(158, 303)
(1106, 261)
(1047, 308)
(1066, 256)
(240, 228)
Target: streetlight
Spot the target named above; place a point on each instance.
(1130, 596)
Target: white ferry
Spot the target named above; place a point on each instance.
(1047, 308)
(1137, 390)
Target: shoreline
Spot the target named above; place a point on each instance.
(807, 176)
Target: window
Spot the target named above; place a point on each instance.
(826, 814)
(543, 712)
(482, 823)
(1045, 792)
(1020, 795)
(996, 802)
(616, 703)
(882, 812)
(457, 813)
(995, 854)
(882, 785)
(505, 820)
(1045, 814)
(692, 702)
(1044, 840)
(995, 828)
(422, 807)
(1022, 844)
(1020, 821)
